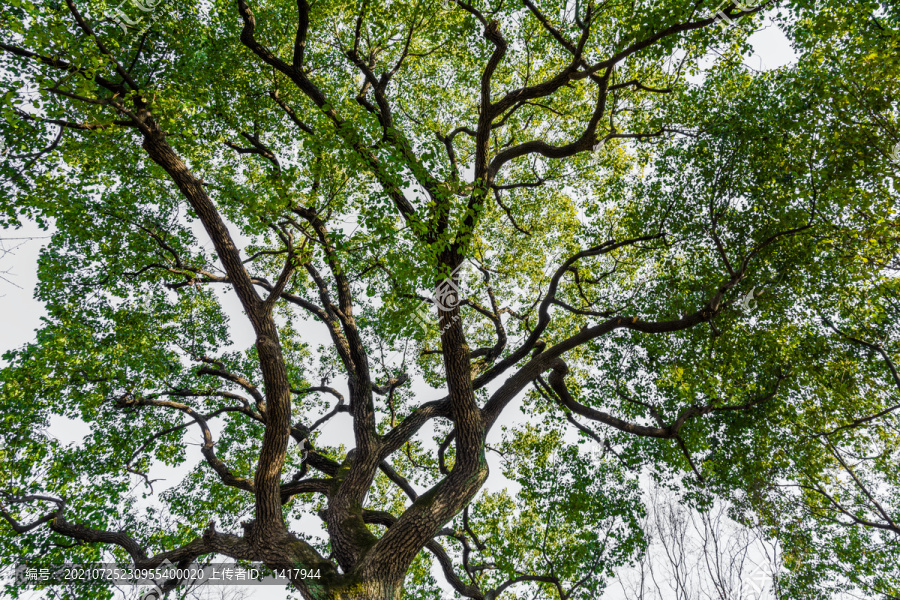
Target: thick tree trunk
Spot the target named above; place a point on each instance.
(372, 590)
(361, 590)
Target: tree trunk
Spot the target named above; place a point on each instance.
(361, 590)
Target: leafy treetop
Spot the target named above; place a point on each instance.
(687, 261)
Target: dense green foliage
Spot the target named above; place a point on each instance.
(712, 249)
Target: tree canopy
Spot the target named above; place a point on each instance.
(587, 238)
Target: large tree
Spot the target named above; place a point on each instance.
(688, 262)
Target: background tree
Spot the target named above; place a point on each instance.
(687, 260)
(699, 555)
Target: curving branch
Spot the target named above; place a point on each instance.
(211, 541)
(300, 78)
(208, 451)
(241, 409)
(468, 590)
(543, 311)
(236, 379)
(257, 148)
